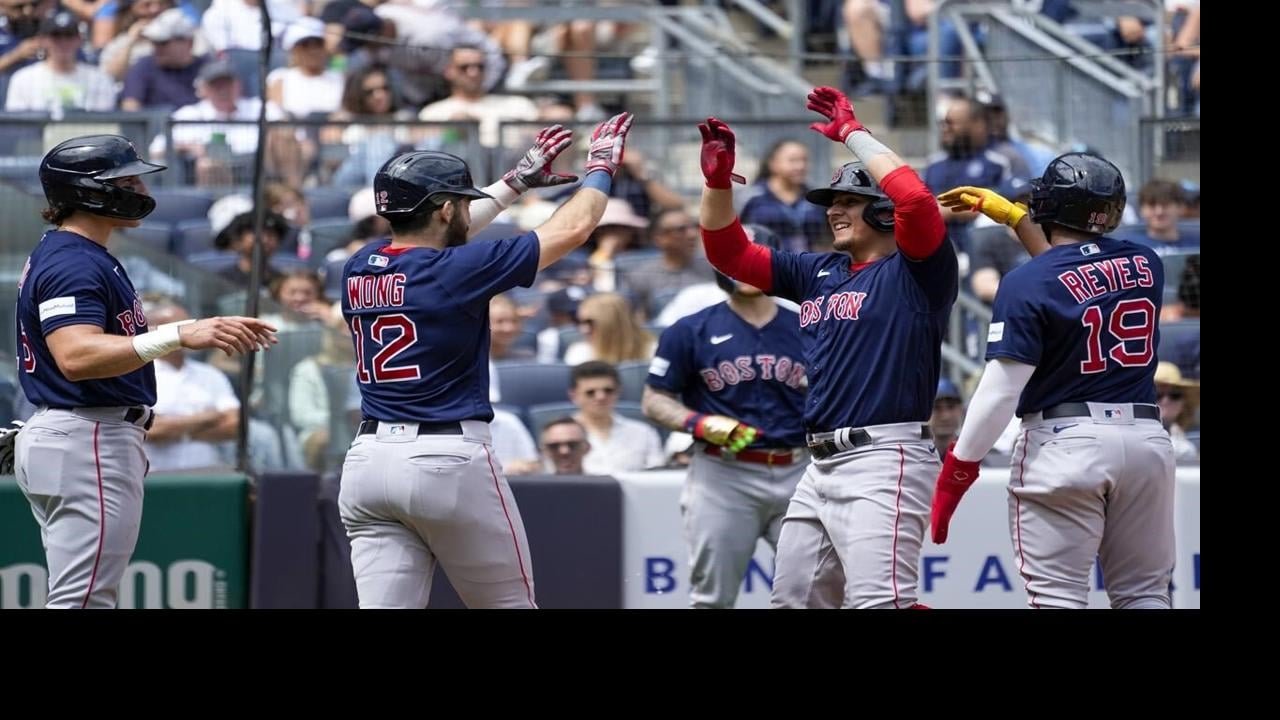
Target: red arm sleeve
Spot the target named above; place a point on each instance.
(730, 252)
(917, 222)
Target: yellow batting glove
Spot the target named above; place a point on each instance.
(987, 202)
(742, 436)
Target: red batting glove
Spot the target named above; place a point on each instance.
(838, 110)
(718, 146)
(953, 482)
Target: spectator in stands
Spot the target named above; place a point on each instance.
(779, 203)
(513, 445)
(426, 32)
(948, 414)
(966, 160)
(223, 154)
(302, 303)
(1178, 399)
(237, 24)
(1184, 351)
(367, 95)
(20, 41)
(505, 326)
(618, 444)
(61, 82)
(681, 264)
(865, 22)
(610, 332)
(195, 406)
(994, 251)
(165, 77)
(292, 206)
(620, 229)
(307, 85)
(108, 19)
(564, 445)
(238, 237)
(129, 44)
(1025, 160)
(1162, 203)
(309, 410)
(469, 101)
(345, 19)
(640, 183)
(562, 311)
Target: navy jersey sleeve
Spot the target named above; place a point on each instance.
(1017, 321)
(71, 292)
(480, 270)
(673, 362)
(937, 275)
(794, 274)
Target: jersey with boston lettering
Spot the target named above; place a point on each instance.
(72, 280)
(1086, 316)
(419, 318)
(871, 336)
(719, 364)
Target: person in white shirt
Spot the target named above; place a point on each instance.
(195, 408)
(469, 101)
(237, 24)
(618, 444)
(307, 85)
(513, 444)
(60, 82)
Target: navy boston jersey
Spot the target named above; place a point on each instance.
(871, 336)
(72, 280)
(1086, 316)
(719, 364)
(419, 318)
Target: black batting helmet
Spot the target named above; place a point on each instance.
(853, 178)
(407, 181)
(74, 175)
(758, 234)
(1080, 191)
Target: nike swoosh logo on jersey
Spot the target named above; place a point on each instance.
(1060, 428)
(823, 273)
(717, 339)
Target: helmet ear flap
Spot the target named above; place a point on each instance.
(873, 214)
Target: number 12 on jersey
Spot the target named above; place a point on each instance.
(395, 334)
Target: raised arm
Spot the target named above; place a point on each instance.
(533, 171)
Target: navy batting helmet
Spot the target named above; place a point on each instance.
(853, 178)
(1080, 191)
(416, 180)
(74, 175)
(758, 234)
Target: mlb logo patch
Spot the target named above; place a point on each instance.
(395, 430)
(1113, 413)
(379, 260)
(1089, 249)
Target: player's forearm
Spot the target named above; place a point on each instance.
(877, 156)
(484, 211)
(716, 210)
(93, 356)
(991, 408)
(573, 223)
(664, 409)
(1031, 236)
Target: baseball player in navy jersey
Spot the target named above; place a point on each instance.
(85, 352)
(872, 317)
(420, 484)
(732, 376)
(1072, 351)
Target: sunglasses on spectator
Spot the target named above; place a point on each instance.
(377, 88)
(468, 67)
(1170, 395)
(566, 446)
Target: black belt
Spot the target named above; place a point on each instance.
(134, 414)
(1143, 412)
(370, 427)
(824, 445)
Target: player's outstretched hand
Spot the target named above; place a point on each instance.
(232, 335)
(954, 481)
(723, 431)
(718, 151)
(609, 143)
(534, 169)
(833, 104)
(988, 202)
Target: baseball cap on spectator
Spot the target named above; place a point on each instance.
(566, 300)
(60, 23)
(168, 25)
(302, 29)
(215, 69)
(619, 212)
(947, 390)
(225, 209)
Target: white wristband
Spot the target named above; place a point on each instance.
(159, 342)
